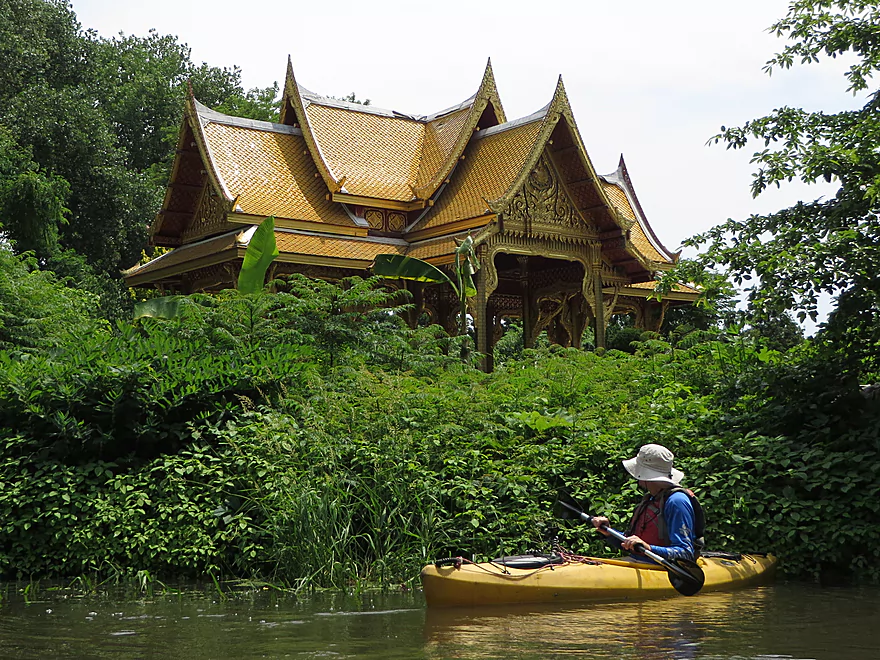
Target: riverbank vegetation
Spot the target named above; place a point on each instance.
(311, 438)
(288, 438)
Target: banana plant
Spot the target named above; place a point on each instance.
(261, 252)
(166, 307)
(396, 266)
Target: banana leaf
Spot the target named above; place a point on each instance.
(397, 266)
(261, 252)
(166, 307)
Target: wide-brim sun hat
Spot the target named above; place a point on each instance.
(654, 463)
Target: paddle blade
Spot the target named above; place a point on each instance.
(690, 580)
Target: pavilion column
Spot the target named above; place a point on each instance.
(599, 305)
(528, 308)
(578, 315)
(447, 313)
(654, 314)
(417, 289)
(482, 322)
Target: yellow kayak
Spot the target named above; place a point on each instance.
(462, 583)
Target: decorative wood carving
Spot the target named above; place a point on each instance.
(542, 207)
(209, 218)
(609, 304)
(384, 220)
(375, 218)
(396, 221)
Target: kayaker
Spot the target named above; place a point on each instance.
(669, 519)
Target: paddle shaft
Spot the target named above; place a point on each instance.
(669, 566)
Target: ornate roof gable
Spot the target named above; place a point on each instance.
(560, 137)
(293, 98)
(557, 109)
(559, 171)
(486, 96)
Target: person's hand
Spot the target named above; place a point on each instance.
(632, 543)
(599, 522)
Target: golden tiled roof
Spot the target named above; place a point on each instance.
(271, 174)
(288, 242)
(491, 165)
(378, 155)
(441, 135)
(637, 234)
(431, 248)
(334, 247)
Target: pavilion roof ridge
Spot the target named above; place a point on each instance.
(319, 99)
(242, 122)
(500, 128)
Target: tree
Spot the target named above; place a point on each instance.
(787, 259)
(141, 85)
(31, 201)
(88, 128)
(351, 98)
(258, 103)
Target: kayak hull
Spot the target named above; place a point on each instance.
(491, 583)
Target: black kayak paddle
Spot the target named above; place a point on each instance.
(685, 576)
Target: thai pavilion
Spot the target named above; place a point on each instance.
(559, 245)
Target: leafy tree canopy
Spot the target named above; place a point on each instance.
(88, 128)
(787, 259)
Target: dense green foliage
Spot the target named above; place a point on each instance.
(37, 313)
(312, 438)
(88, 128)
(787, 259)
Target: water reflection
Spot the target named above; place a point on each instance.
(795, 622)
(671, 628)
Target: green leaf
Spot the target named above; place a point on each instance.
(397, 266)
(166, 307)
(261, 252)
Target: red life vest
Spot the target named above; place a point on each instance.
(649, 522)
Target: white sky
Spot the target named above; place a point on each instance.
(653, 80)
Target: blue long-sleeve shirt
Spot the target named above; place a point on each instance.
(679, 514)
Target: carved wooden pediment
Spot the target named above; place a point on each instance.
(210, 216)
(543, 208)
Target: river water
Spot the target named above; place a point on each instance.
(784, 621)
